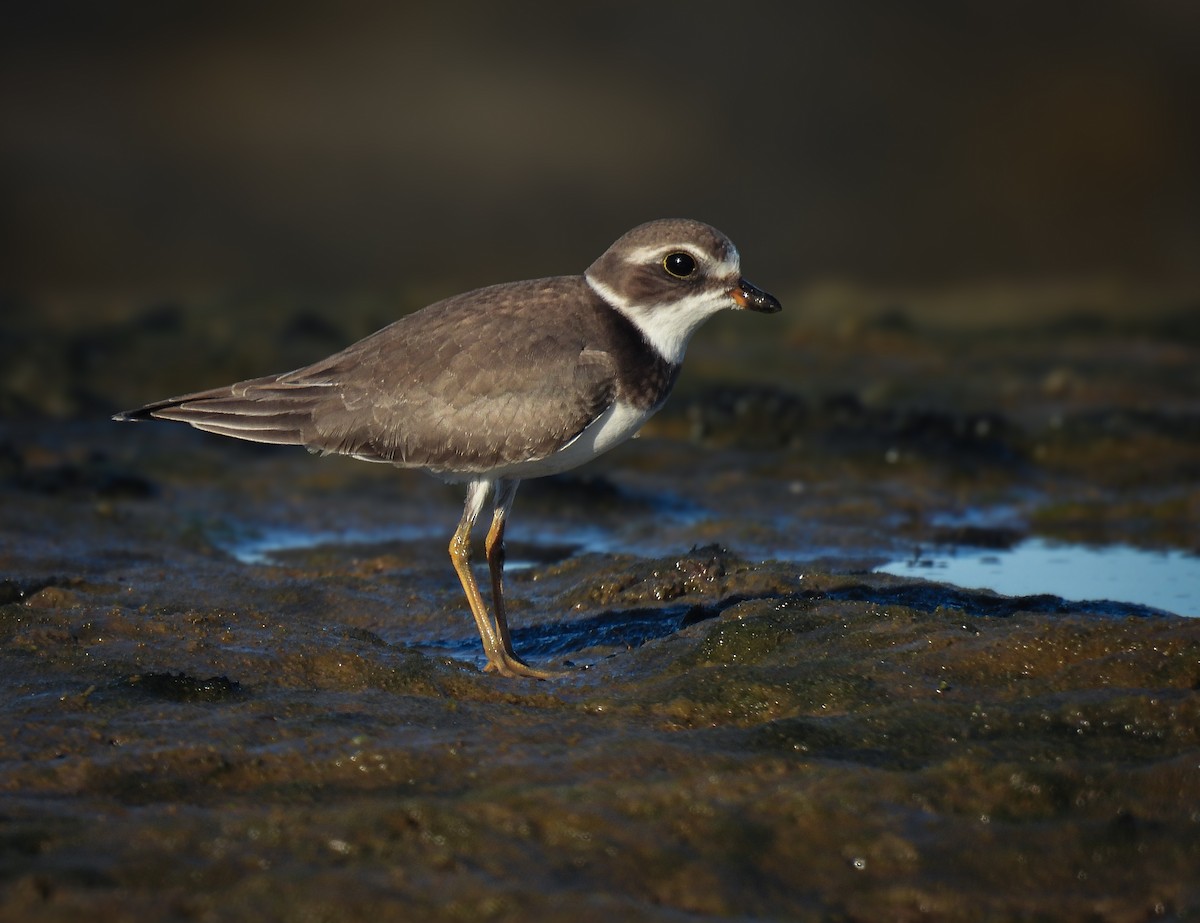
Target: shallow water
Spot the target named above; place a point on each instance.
(264, 544)
(1165, 580)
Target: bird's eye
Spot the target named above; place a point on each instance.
(679, 264)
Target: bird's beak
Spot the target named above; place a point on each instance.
(748, 296)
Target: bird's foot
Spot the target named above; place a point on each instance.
(510, 665)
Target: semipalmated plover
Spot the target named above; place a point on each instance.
(500, 384)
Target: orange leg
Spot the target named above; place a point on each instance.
(506, 491)
(493, 632)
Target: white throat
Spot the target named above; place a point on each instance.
(667, 327)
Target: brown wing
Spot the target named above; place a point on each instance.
(492, 377)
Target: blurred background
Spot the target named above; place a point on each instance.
(971, 162)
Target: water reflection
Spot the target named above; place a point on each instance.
(1166, 580)
(263, 544)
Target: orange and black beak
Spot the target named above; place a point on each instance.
(748, 296)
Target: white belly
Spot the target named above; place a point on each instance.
(609, 429)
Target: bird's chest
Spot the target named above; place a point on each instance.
(648, 383)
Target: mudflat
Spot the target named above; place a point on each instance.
(240, 682)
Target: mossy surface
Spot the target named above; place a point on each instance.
(749, 722)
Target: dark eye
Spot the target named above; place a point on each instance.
(679, 264)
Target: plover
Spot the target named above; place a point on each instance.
(504, 383)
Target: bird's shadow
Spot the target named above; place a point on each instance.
(622, 629)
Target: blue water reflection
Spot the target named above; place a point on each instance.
(1166, 580)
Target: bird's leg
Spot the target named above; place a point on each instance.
(493, 546)
(460, 555)
(509, 664)
(493, 632)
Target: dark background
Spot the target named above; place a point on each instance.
(199, 193)
(152, 151)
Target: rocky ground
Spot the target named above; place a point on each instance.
(241, 683)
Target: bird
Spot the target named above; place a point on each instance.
(500, 384)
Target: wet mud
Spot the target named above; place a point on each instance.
(241, 683)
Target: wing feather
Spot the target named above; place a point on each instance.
(497, 376)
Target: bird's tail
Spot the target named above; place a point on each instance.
(271, 410)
